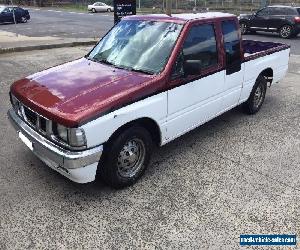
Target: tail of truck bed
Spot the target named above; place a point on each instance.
(263, 58)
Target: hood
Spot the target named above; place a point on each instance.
(75, 92)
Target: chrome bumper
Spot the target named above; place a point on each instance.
(53, 155)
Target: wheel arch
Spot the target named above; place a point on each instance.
(267, 74)
(145, 122)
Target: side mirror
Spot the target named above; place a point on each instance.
(192, 67)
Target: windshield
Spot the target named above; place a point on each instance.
(1, 8)
(138, 45)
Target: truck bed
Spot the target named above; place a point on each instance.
(254, 49)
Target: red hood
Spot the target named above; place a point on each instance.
(75, 92)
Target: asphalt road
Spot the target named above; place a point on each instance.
(62, 24)
(235, 175)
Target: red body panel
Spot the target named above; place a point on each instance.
(74, 92)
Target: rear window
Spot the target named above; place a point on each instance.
(298, 9)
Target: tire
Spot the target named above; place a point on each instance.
(94, 10)
(126, 157)
(257, 96)
(286, 31)
(108, 10)
(244, 28)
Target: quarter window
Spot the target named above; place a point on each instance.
(290, 12)
(232, 47)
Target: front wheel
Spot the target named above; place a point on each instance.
(286, 31)
(257, 96)
(126, 157)
(94, 10)
(108, 10)
(244, 28)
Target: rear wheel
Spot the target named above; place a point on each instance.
(24, 19)
(286, 31)
(108, 10)
(244, 28)
(257, 96)
(126, 157)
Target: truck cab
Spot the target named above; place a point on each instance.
(151, 79)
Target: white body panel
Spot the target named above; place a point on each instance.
(194, 103)
(100, 130)
(183, 108)
(278, 62)
(233, 86)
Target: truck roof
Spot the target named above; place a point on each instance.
(184, 17)
(204, 15)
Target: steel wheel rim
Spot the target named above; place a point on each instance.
(243, 28)
(285, 31)
(131, 158)
(24, 19)
(258, 96)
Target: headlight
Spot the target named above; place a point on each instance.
(72, 136)
(77, 137)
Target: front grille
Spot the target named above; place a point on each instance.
(30, 116)
(43, 124)
(38, 122)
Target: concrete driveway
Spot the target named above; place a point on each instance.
(235, 175)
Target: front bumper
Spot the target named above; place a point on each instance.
(78, 166)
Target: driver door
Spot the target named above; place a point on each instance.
(195, 97)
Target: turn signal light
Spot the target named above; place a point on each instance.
(297, 19)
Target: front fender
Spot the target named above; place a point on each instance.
(100, 130)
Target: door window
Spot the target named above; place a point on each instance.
(263, 12)
(232, 47)
(200, 45)
(274, 11)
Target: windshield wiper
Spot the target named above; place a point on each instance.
(142, 71)
(99, 60)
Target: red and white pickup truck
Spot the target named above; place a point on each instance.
(151, 79)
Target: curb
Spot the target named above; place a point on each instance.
(46, 46)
